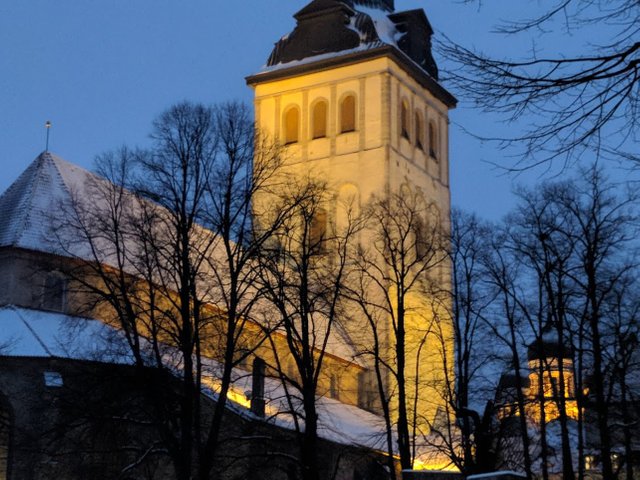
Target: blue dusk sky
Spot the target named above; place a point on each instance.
(102, 70)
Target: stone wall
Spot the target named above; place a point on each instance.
(76, 420)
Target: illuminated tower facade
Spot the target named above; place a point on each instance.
(551, 376)
(353, 94)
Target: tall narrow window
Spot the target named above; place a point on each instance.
(348, 114)
(318, 230)
(419, 131)
(55, 292)
(404, 119)
(5, 438)
(433, 140)
(334, 387)
(320, 119)
(420, 234)
(291, 125)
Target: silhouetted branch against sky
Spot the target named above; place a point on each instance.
(561, 102)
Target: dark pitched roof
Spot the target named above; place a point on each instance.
(331, 33)
(334, 26)
(548, 345)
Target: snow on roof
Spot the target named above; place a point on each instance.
(337, 422)
(318, 58)
(321, 34)
(35, 333)
(34, 211)
(350, 425)
(386, 29)
(33, 205)
(24, 204)
(502, 473)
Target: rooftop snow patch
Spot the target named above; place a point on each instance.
(35, 333)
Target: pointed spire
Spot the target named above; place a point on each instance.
(47, 125)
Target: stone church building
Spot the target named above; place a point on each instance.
(352, 94)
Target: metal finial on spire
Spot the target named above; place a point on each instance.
(47, 125)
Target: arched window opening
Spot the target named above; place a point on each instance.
(54, 292)
(419, 124)
(433, 141)
(318, 230)
(348, 114)
(291, 125)
(5, 439)
(404, 119)
(319, 119)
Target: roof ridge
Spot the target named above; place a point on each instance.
(33, 332)
(27, 203)
(30, 196)
(42, 159)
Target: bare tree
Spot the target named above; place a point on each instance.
(566, 248)
(624, 357)
(605, 228)
(164, 250)
(303, 278)
(505, 320)
(469, 239)
(402, 299)
(573, 103)
(543, 240)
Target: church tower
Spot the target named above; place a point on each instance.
(353, 95)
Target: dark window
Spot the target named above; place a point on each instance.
(348, 114)
(318, 230)
(334, 389)
(419, 131)
(433, 141)
(404, 119)
(55, 292)
(420, 234)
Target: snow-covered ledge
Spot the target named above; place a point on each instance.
(430, 475)
(504, 475)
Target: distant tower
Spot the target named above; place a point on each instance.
(551, 360)
(353, 93)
